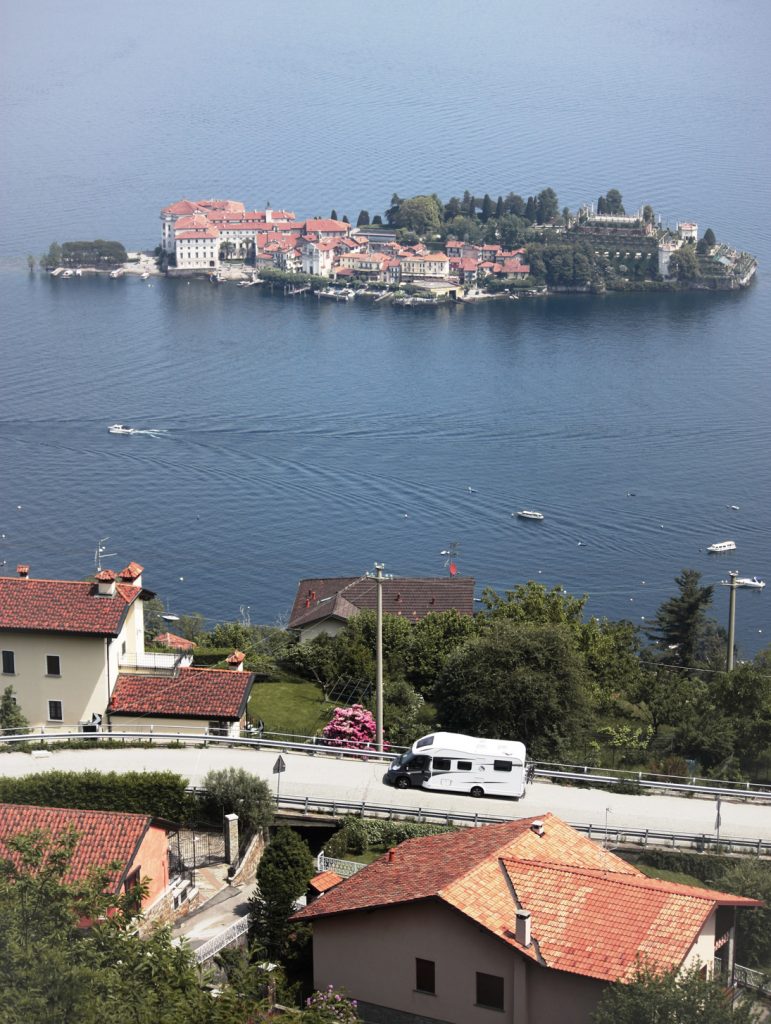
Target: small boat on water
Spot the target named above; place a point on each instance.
(734, 508)
(750, 581)
(144, 275)
(120, 428)
(527, 513)
(723, 545)
(117, 273)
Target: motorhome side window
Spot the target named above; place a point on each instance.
(464, 766)
(502, 766)
(425, 742)
(441, 764)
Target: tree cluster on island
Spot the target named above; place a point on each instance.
(99, 254)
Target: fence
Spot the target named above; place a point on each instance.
(611, 836)
(229, 937)
(343, 868)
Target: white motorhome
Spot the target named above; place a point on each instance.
(462, 764)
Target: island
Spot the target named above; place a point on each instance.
(422, 251)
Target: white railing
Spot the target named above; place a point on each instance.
(227, 938)
(344, 868)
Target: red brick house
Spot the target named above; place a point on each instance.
(326, 605)
(137, 843)
(527, 918)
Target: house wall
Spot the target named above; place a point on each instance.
(558, 996)
(703, 949)
(84, 684)
(327, 627)
(147, 723)
(152, 860)
(372, 955)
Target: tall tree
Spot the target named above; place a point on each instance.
(11, 717)
(547, 206)
(499, 208)
(363, 219)
(530, 210)
(487, 208)
(518, 681)
(283, 874)
(614, 202)
(680, 622)
(709, 237)
(333, 215)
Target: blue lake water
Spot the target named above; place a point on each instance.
(303, 438)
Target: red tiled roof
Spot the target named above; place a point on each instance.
(63, 606)
(324, 881)
(190, 693)
(103, 836)
(179, 643)
(132, 571)
(591, 912)
(405, 596)
(322, 225)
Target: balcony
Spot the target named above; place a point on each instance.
(160, 663)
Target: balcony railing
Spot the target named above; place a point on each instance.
(160, 662)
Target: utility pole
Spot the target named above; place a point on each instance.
(731, 584)
(379, 658)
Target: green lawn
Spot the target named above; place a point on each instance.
(670, 876)
(289, 706)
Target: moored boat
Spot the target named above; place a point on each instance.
(750, 581)
(527, 513)
(723, 545)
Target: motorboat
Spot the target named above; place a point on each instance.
(119, 428)
(722, 545)
(750, 581)
(144, 275)
(117, 273)
(527, 513)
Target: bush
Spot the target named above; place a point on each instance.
(236, 791)
(357, 835)
(161, 794)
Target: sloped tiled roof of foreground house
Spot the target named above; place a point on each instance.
(189, 693)
(63, 606)
(591, 913)
(104, 837)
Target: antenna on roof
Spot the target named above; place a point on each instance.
(102, 552)
(451, 553)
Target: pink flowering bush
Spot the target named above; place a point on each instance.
(330, 1007)
(351, 727)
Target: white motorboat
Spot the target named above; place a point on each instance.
(120, 428)
(117, 273)
(144, 275)
(723, 545)
(750, 581)
(527, 513)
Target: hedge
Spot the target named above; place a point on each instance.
(357, 835)
(161, 794)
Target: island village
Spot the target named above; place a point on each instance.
(222, 239)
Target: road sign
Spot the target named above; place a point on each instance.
(279, 766)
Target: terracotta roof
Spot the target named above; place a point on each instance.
(103, 836)
(132, 571)
(63, 606)
(413, 598)
(190, 693)
(591, 912)
(179, 643)
(324, 881)
(323, 225)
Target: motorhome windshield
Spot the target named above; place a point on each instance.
(403, 759)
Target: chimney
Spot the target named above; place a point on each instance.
(132, 574)
(522, 928)
(537, 827)
(236, 660)
(23, 571)
(106, 583)
(392, 855)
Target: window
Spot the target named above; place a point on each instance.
(425, 742)
(502, 766)
(425, 976)
(489, 991)
(464, 766)
(53, 667)
(9, 663)
(55, 713)
(441, 764)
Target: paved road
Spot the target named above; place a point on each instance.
(345, 780)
